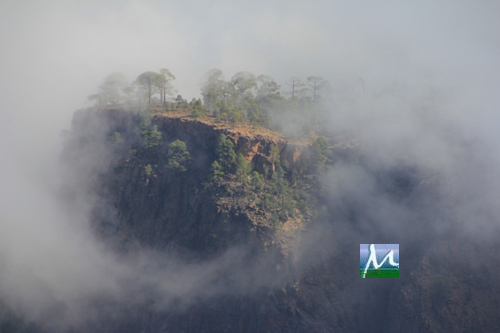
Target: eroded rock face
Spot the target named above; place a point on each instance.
(255, 147)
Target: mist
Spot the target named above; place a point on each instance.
(429, 101)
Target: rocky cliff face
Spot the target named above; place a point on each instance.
(160, 209)
(295, 275)
(253, 144)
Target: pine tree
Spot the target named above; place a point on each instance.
(152, 140)
(217, 171)
(243, 168)
(178, 156)
(226, 156)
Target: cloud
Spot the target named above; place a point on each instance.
(431, 101)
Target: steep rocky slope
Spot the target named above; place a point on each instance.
(295, 272)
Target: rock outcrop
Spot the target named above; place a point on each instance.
(298, 277)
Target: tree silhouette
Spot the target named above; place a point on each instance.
(149, 81)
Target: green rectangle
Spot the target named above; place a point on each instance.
(386, 273)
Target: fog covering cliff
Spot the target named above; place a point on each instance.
(176, 250)
(415, 85)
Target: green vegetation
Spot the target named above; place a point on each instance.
(148, 147)
(115, 89)
(217, 172)
(148, 169)
(244, 99)
(257, 181)
(152, 83)
(197, 107)
(319, 156)
(116, 138)
(178, 156)
(152, 141)
(226, 157)
(275, 187)
(148, 81)
(273, 191)
(243, 168)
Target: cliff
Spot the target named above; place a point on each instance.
(181, 199)
(292, 246)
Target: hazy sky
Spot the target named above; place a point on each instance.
(55, 53)
(442, 57)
